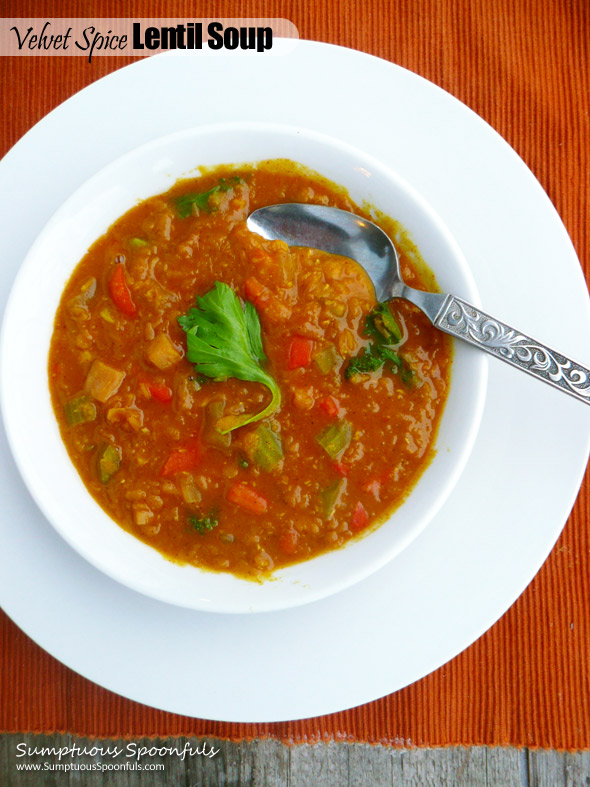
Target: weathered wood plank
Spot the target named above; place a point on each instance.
(373, 765)
(577, 769)
(546, 769)
(268, 762)
(433, 767)
(506, 767)
(555, 769)
(321, 765)
(255, 764)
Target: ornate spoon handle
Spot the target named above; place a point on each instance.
(461, 319)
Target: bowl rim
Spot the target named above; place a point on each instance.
(29, 264)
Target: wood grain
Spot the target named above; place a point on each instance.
(273, 764)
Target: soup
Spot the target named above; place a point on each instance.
(237, 404)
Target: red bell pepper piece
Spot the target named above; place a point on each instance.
(160, 392)
(181, 460)
(330, 406)
(246, 497)
(119, 292)
(360, 518)
(300, 352)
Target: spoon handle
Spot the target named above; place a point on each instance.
(464, 321)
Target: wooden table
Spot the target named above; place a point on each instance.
(269, 762)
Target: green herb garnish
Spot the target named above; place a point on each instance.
(223, 340)
(381, 325)
(225, 184)
(202, 525)
(374, 357)
(366, 361)
(184, 204)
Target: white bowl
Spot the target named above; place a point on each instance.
(32, 428)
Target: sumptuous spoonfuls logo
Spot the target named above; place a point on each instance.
(141, 37)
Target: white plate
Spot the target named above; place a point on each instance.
(511, 502)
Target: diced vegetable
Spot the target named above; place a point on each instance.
(300, 351)
(335, 439)
(288, 541)
(304, 398)
(188, 486)
(327, 359)
(106, 315)
(266, 301)
(381, 324)
(138, 243)
(264, 448)
(246, 497)
(374, 488)
(109, 461)
(181, 460)
(329, 406)
(88, 289)
(162, 352)
(142, 514)
(160, 392)
(330, 497)
(224, 340)
(202, 524)
(103, 381)
(334, 307)
(346, 343)
(119, 292)
(79, 410)
(341, 469)
(255, 291)
(131, 417)
(79, 303)
(360, 518)
(211, 434)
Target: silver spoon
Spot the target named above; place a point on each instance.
(340, 232)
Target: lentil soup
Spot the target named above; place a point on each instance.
(237, 404)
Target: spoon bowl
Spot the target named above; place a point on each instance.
(334, 231)
(341, 232)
